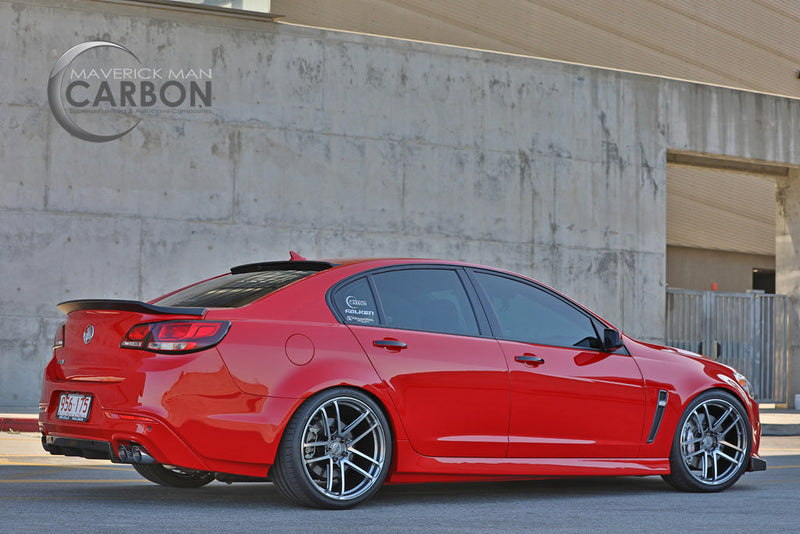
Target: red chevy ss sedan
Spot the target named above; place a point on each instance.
(330, 378)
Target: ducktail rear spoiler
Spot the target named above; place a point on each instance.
(128, 306)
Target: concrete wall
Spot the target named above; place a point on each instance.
(338, 144)
(787, 268)
(748, 44)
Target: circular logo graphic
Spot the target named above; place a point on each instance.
(55, 98)
(353, 302)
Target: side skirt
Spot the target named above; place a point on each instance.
(412, 467)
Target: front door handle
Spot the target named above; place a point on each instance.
(529, 359)
(389, 344)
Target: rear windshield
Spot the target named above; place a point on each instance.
(233, 290)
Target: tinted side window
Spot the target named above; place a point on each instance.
(356, 303)
(433, 300)
(527, 313)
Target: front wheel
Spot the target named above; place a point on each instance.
(335, 452)
(174, 477)
(712, 444)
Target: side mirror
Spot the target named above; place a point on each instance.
(612, 340)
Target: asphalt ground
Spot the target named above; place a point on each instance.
(39, 492)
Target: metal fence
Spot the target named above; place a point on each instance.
(748, 331)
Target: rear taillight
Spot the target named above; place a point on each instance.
(175, 337)
(58, 339)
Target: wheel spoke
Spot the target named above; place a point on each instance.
(691, 441)
(366, 433)
(338, 418)
(341, 482)
(722, 419)
(355, 467)
(317, 459)
(368, 458)
(735, 423)
(355, 423)
(732, 446)
(327, 423)
(329, 471)
(699, 422)
(693, 454)
(716, 466)
(315, 443)
(704, 469)
(708, 416)
(720, 453)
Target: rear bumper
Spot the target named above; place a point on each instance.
(757, 464)
(205, 425)
(102, 436)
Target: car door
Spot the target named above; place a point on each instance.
(570, 398)
(445, 374)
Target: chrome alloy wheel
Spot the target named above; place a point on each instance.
(344, 448)
(714, 442)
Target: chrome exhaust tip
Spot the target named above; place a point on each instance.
(124, 454)
(140, 456)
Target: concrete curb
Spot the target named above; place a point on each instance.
(19, 423)
(780, 430)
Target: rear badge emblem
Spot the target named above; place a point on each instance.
(88, 334)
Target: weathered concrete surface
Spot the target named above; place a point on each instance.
(787, 267)
(338, 144)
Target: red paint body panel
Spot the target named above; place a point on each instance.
(459, 407)
(576, 404)
(451, 392)
(684, 376)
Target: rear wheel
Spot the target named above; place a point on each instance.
(174, 477)
(712, 444)
(335, 452)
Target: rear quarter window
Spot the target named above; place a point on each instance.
(356, 304)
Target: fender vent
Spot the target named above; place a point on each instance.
(662, 404)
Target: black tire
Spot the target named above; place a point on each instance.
(712, 444)
(335, 452)
(174, 477)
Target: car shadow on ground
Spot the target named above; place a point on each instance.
(260, 494)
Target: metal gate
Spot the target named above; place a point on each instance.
(748, 331)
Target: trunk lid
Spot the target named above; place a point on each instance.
(93, 332)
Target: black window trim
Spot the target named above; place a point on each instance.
(478, 311)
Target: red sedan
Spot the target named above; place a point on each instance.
(331, 378)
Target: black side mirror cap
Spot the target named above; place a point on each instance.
(612, 339)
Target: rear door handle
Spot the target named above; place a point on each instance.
(389, 344)
(529, 359)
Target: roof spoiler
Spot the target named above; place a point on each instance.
(291, 265)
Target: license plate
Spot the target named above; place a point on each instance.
(74, 407)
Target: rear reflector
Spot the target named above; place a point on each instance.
(175, 337)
